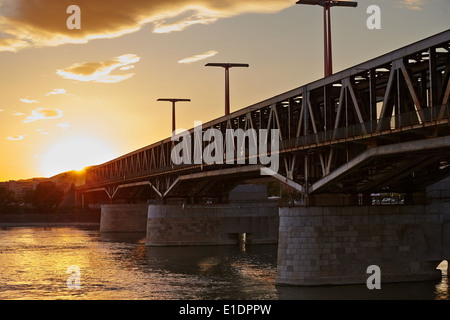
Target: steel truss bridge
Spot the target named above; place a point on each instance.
(380, 126)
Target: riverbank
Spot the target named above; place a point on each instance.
(49, 225)
(28, 217)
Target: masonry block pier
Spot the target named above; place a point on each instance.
(123, 218)
(218, 224)
(336, 244)
(247, 212)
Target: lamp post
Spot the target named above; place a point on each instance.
(227, 67)
(327, 4)
(173, 109)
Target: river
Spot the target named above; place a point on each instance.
(38, 263)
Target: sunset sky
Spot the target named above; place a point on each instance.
(72, 98)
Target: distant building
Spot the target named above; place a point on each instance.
(21, 187)
(66, 181)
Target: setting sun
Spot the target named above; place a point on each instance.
(74, 153)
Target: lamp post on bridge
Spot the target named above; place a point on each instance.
(327, 4)
(227, 67)
(173, 100)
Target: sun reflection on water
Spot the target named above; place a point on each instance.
(34, 263)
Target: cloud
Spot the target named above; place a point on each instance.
(411, 4)
(16, 138)
(43, 114)
(63, 125)
(28, 101)
(57, 91)
(42, 131)
(42, 23)
(199, 57)
(99, 71)
(18, 114)
(179, 20)
(127, 67)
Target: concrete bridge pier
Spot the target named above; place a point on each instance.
(327, 245)
(247, 212)
(212, 224)
(123, 218)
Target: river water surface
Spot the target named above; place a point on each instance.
(35, 261)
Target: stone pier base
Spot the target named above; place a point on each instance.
(123, 218)
(215, 224)
(336, 245)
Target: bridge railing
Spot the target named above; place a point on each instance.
(403, 121)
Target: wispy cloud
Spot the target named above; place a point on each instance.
(43, 114)
(56, 91)
(100, 71)
(42, 23)
(18, 114)
(64, 125)
(127, 67)
(16, 138)
(183, 18)
(25, 100)
(199, 57)
(411, 4)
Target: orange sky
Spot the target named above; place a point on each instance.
(72, 98)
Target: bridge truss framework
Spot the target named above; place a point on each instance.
(380, 126)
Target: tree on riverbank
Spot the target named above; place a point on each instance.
(6, 198)
(47, 195)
